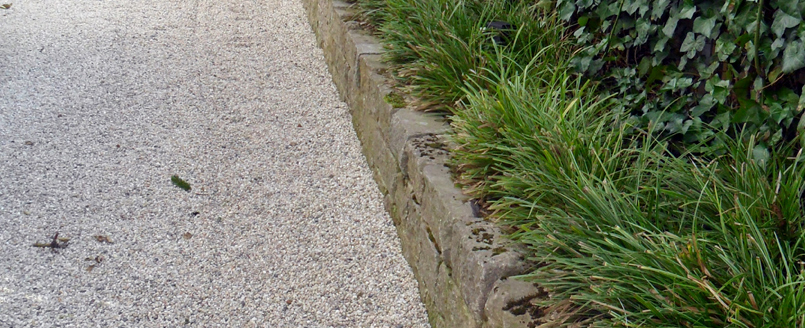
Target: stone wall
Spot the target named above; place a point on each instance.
(461, 261)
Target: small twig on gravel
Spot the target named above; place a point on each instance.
(54, 244)
(103, 239)
(98, 259)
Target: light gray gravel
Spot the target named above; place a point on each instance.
(102, 101)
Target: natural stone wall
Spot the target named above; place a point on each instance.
(460, 260)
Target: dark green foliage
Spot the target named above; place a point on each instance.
(631, 229)
(628, 233)
(691, 68)
(180, 183)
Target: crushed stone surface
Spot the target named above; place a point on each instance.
(102, 102)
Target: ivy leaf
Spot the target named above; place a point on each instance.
(581, 63)
(582, 21)
(719, 88)
(660, 45)
(580, 32)
(656, 73)
(761, 155)
(783, 21)
(686, 126)
(705, 72)
(777, 111)
(566, 10)
(704, 26)
(727, 8)
(793, 57)
(704, 106)
(692, 44)
(724, 48)
(774, 74)
(644, 8)
(787, 96)
(682, 62)
(722, 121)
(789, 7)
(658, 9)
(643, 67)
(750, 50)
(801, 103)
(604, 11)
(642, 5)
(678, 83)
(777, 44)
(670, 27)
(584, 3)
(741, 88)
(687, 11)
(642, 26)
(742, 19)
(757, 86)
(752, 26)
(748, 111)
(659, 57)
(801, 131)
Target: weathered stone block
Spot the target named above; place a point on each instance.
(453, 308)
(373, 89)
(431, 183)
(406, 124)
(513, 303)
(479, 258)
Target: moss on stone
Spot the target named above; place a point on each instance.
(395, 100)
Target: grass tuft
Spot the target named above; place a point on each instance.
(438, 45)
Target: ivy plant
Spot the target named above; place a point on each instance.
(688, 68)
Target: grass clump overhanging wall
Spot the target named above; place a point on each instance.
(628, 233)
(631, 228)
(437, 45)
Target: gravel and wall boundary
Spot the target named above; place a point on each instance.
(462, 262)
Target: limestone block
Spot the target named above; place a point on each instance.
(479, 256)
(512, 304)
(407, 124)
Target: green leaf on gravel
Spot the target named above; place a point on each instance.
(180, 183)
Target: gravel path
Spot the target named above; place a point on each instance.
(101, 102)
